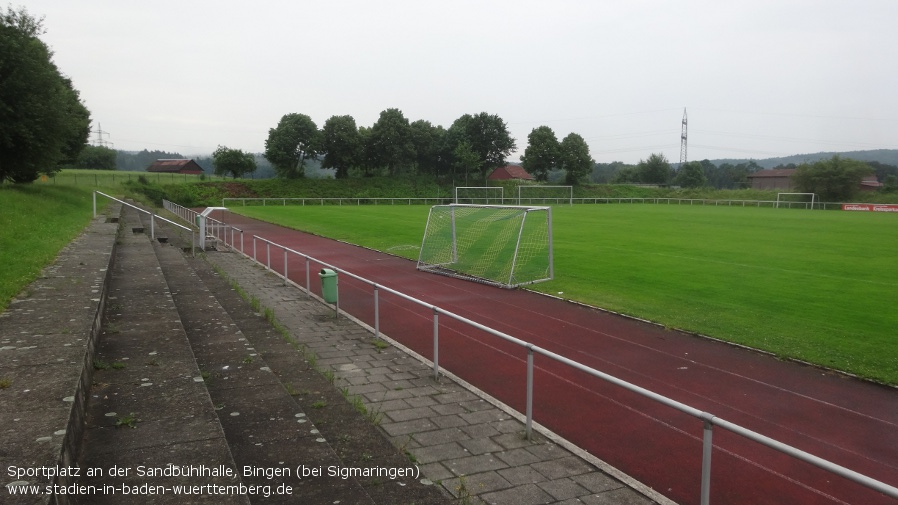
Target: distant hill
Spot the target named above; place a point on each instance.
(886, 156)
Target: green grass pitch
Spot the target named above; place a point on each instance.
(818, 286)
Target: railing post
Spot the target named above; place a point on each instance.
(192, 243)
(707, 445)
(241, 241)
(254, 249)
(152, 226)
(268, 254)
(285, 266)
(308, 282)
(529, 391)
(95, 204)
(376, 314)
(436, 344)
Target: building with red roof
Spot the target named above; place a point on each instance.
(510, 172)
(177, 166)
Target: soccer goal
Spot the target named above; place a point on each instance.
(545, 195)
(799, 200)
(480, 195)
(505, 246)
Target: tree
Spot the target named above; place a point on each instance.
(429, 141)
(489, 139)
(604, 173)
(655, 170)
(290, 144)
(575, 159)
(836, 179)
(341, 144)
(42, 119)
(96, 157)
(691, 175)
(542, 153)
(627, 174)
(390, 142)
(465, 159)
(233, 162)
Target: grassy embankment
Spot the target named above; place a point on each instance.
(809, 285)
(36, 222)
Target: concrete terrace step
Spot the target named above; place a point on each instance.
(148, 407)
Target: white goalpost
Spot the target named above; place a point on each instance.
(506, 246)
(545, 195)
(788, 203)
(480, 195)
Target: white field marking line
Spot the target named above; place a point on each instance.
(746, 265)
(696, 438)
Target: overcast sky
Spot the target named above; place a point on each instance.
(758, 78)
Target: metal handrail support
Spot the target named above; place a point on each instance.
(153, 217)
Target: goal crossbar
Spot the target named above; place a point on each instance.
(483, 190)
(780, 195)
(568, 191)
(502, 245)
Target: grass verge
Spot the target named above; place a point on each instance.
(36, 222)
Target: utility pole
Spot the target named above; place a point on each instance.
(683, 141)
(99, 140)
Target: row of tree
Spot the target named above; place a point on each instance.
(43, 122)
(393, 145)
(468, 150)
(834, 179)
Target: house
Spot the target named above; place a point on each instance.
(781, 178)
(510, 172)
(178, 166)
(870, 183)
(778, 178)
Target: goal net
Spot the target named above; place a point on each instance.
(480, 195)
(545, 195)
(796, 200)
(506, 246)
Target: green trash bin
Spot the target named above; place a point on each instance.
(328, 285)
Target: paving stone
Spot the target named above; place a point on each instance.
(562, 489)
(527, 494)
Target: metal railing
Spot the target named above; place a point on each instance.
(709, 421)
(214, 226)
(339, 201)
(153, 218)
(336, 201)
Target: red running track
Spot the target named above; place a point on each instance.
(847, 421)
